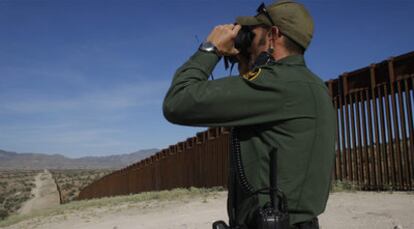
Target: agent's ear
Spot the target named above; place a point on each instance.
(275, 32)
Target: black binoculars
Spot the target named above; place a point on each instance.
(242, 42)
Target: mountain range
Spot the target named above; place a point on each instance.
(13, 160)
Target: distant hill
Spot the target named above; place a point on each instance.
(12, 160)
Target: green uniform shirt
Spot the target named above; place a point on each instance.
(282, 105)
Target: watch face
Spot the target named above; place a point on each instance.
(207, 46)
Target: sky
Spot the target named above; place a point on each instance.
(88, 77)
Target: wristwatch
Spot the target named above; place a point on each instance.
(207, 46)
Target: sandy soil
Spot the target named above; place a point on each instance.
(366, 210)
(45, 194)
(345, 210)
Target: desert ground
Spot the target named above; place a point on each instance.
(198, 209)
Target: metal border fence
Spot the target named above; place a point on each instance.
(373, 151)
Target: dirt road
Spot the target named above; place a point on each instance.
(45, 194)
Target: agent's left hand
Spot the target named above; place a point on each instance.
(222, 36)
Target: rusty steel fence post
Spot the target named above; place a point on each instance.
(404, 147)
(410, 133)
(179, 164)
(163, 170)
(342, 124)
(203, 160)
(220, 158)
(197, 160)
(378, 148)
(399, 170)
(189, 145)
(349, 173)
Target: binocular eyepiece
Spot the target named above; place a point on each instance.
(244, 40)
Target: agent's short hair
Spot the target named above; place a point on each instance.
(293, 47)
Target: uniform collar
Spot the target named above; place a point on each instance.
(292, 60)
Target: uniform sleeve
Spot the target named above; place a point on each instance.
(231, 101)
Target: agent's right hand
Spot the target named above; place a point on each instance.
(222, 36)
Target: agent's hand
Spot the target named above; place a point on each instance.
(223, 37)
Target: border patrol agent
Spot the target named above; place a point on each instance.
(280, 104)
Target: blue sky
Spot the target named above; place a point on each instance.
(84, 78)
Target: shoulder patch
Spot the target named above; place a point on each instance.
(251, 75)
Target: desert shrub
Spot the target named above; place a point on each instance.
(66, 186)
(72, 181)
(15, 188)
(3, 213)
(339, 186)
